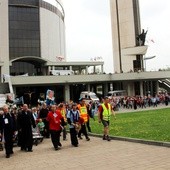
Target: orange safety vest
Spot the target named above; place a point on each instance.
(83, 113)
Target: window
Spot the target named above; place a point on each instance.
(24, 33)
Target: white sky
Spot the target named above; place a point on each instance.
(88, 31)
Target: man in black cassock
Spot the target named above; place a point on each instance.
(7, 130)
(25, 123)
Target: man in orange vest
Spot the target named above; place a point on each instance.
(84, 115)
(104, 113)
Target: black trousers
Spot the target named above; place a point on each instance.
(88, 125)
(73, 136)
(26, 143)
(55, 138)
(83, 130)
(64, 133)
(8, 146)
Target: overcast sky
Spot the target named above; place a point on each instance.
(88, 31)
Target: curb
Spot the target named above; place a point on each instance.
(148, 142)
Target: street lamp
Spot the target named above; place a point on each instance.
(148, 58)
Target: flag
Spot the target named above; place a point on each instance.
(19, 100)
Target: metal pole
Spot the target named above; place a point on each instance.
(118, 32)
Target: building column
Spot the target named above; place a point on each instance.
(141, 88)
(4, 39)
(105, 89)
(49, 69)
(157, 87)
(70, 68)
(151, 87)
(79, 70)
(86, 70)
(101, 68)
(94, 69)
(130, 88)
(88, 87)
(67, 92)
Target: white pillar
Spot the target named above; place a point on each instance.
(49, 69)
(141, 88)
(157, 87)
(101, 68)
(130, 89)
(67, 92)
(86, 69)
(88, 87)
(70, 68)
(4, 37)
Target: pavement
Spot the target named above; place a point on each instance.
(94, 154)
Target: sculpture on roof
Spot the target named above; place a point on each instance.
(141, 37)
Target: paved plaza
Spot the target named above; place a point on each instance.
(95, 154)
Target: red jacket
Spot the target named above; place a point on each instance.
(55, 120)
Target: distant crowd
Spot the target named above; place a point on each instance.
(139, 101)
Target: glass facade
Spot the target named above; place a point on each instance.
(20, 68)
(24, 31)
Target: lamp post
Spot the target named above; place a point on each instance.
(148, 58)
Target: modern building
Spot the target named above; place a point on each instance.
(32, 43)
(128, 51)
(31, 32)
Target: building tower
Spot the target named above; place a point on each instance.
(32, 33)
(128, 50)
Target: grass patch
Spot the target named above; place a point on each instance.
(149, 125)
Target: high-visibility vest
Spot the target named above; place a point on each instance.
(63, 112)
(106, 112)
(83, 113)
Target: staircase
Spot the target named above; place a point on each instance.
(165, 84)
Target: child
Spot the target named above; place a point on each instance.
(41, 126)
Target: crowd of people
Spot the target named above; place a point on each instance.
(51, 119)
(134, 102)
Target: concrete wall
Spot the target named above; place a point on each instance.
(125, 28)
(52, 32)
(4, 38)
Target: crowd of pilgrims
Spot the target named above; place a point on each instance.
(51, 120)
(48, 120)
(134, 102)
